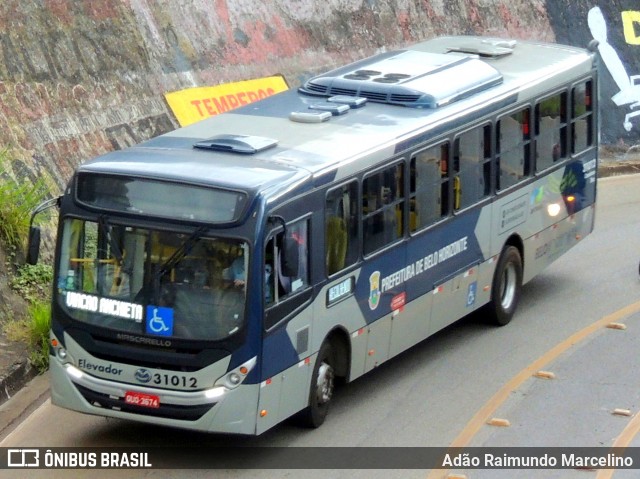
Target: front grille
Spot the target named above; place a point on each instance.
(168, 411)
(175, 359)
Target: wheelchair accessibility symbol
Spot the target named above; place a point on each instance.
(471, 294)
(159, 320)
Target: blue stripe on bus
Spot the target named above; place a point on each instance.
(278, 352)
(420, 265)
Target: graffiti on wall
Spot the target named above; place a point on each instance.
(629, 21)
(628, 85)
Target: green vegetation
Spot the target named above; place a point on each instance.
(34, 331)
(17, 201)
(32, 283)
(39, 325)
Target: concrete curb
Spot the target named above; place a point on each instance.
(30, 397)
(17, 375)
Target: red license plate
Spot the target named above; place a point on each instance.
(141, 399)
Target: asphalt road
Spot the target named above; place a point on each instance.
(444, 390)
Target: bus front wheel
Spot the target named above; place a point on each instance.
(322, 388)
(507, 283)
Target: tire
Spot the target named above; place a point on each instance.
(506, 287)
(321, 389)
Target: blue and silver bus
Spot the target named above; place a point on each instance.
(225, 276)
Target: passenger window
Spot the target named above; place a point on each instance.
(341, 228)
(581, 117)
(429, 187)
(472, 166)
(286, 268)
(513, 148)
(551, 131)
(383, 208)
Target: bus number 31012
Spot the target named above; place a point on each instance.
(175, 380)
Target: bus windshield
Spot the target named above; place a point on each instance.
(183, 286)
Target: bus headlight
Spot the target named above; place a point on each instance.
(236, 376)
(214, 393)
(75, 372)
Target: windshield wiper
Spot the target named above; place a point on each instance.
(105, 227)
(184, 249)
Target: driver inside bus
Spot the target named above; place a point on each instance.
(236, 273)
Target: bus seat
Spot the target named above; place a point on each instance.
(399, 223)
(457, 193)
(413, 220)
(336, 244)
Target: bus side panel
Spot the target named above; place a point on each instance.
(297, 379)
(436, 309)
(573, 188)
(454, 298)
(284, 390)
(284, 394)
(378, 339)
(410, 324)
(550, 215)
(545, 247)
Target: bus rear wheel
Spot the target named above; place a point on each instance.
(505, 291)
(322, 388)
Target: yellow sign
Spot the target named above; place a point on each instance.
(629, 20)
(195, 104)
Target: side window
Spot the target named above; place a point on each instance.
(286, 268)
(581, 117)
(472, 167)
(341, 228)
(551, 131)
(513, 145)
(382, 208)
(429, 186)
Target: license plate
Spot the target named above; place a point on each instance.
(141, 399)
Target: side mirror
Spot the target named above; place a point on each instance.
(290, 258)
(33, 248)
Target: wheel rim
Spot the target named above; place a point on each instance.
(508, 286)
(324, 389)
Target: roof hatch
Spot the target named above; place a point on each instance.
(487, 47)
(237, 143)
(409, 78)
